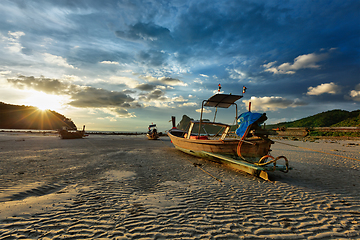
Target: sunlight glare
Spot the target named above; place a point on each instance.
(45, 101)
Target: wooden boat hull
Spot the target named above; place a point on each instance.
(252, 149)
(71, 135)
(224, 152)
(152, 136)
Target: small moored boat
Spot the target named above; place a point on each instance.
(152, 133)
(72, 134)
(249, 152)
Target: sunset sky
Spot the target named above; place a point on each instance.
(122, 65)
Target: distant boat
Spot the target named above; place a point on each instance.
(249, 154)
(72, 134)
(152, 133)
(291, 131)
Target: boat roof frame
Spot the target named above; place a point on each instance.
(210, 123)
(219, 100)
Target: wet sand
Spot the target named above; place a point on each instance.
(128, 187)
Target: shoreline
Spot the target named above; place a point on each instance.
(293, 138)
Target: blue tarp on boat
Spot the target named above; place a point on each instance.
(245, 120)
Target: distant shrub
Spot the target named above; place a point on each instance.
(334, 134)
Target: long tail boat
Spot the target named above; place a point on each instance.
(152, 133)
(72, 134)
(248, 152)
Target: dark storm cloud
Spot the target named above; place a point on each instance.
(99, 98)
(257, 32)
(145, 87)
(156, 95)
(42, 84)
(131, 105)
(128, 91)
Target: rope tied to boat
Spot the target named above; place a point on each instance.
(262, 162)
(238, 149)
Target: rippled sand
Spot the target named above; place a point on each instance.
(128, 187)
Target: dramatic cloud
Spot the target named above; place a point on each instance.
(165, 80)
(145, 87)
(171, 81)
(271, 103)
(56, 60)
(82, 97)
(155, 95)
(301, 62)
(123, 55)
(42, 84)
(330, 88)
(99, 98)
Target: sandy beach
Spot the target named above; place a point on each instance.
(128, 187)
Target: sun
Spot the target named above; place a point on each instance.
(45, 101)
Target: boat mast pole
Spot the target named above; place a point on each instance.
(236, 112)
(215, 114)
(202, 107)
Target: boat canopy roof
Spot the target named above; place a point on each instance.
(210, 123)
(152, 125)
(222, 100)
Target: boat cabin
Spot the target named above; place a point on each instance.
(218, 101)
(224, 130)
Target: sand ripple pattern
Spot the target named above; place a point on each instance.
(134, 189)
(203, 209)
(30, 190)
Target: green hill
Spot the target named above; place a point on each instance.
(27, 117)
(333, 118)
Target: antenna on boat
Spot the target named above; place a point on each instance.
(244, 90)
(216, 107)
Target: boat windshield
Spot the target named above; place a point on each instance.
(210, 129)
